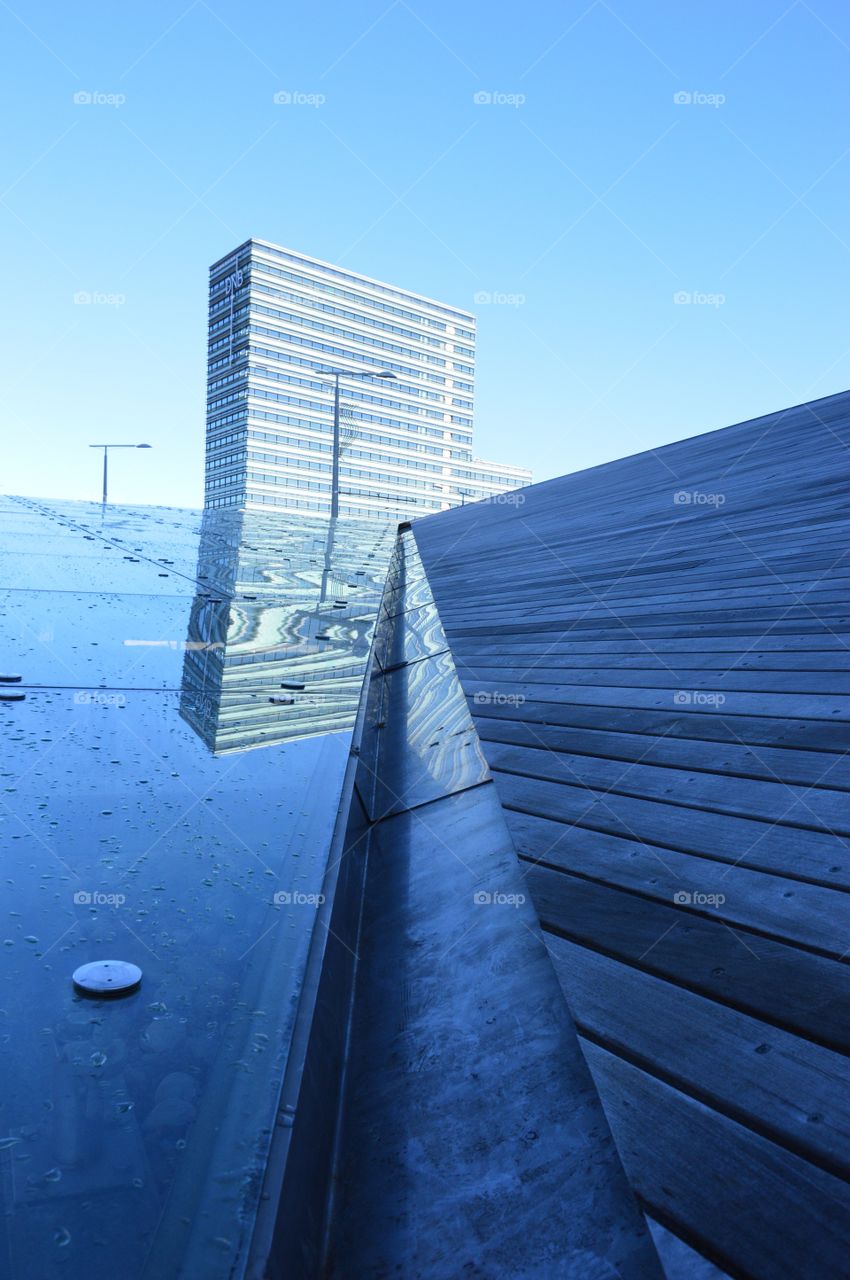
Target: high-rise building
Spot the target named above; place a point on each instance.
(280, 325)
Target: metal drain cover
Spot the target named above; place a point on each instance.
(107, 978)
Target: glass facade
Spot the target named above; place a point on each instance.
(153, 646)
(278, 321)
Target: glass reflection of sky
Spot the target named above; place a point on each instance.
(133, 1133)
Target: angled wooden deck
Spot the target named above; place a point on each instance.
(657, 656)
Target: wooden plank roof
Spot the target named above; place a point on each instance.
(656, 653)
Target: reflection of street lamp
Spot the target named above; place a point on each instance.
(336, 375)
(106, 447)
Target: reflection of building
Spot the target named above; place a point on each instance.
(277, 321)
(277, 644)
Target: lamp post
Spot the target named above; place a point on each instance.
(336, 374)
(106, 448)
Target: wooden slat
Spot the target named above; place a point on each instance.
(814, 856)
(788, 1089)
(805, 768)
(778, 983)
(749, 1204)
(772, 801)
(808, 915)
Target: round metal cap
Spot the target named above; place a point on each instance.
(107, 978)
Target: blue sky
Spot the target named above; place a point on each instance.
(580, 195)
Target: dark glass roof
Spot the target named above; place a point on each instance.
(152, 646)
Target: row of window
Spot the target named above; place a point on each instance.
(302, 504)
(227, 460)
(325, 446)
(406, 482)
(236, 460)
(229, 500)
(221, 442)
(291, 420)
(234, 343)
(258, 252)
(319, 286)
(289, 482)
(293, 380)
(310, 464)
(284, 357)
(319, 406)
(286, 460)
(485, 477)
(244, 311)
(408, 500)
(296, 339)
(327, 308)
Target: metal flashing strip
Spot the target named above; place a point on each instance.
(471, 1136)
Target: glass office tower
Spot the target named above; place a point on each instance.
(279, 321)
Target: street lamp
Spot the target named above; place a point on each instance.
(336, 374)
(105, 448)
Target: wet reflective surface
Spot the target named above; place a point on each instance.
(153, 645)
(418, 717)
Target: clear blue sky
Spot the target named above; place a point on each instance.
(595, 201)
